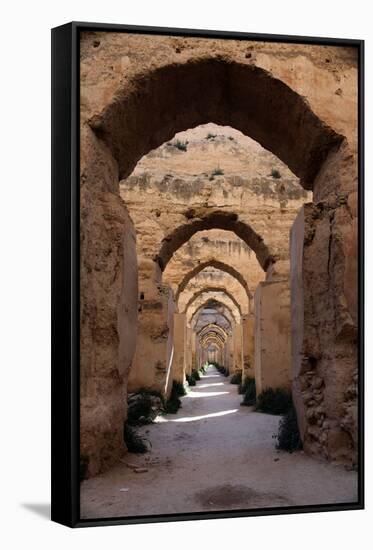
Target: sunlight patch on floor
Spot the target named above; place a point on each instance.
(209, 385)
(161, 419)
(207, 394)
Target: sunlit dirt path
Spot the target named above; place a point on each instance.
(213, 455)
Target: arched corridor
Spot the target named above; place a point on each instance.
(219, 228)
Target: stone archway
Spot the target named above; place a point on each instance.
(208, 290)
(222, 266)
(212, 333)
(207, 309)
(221, 308)
(217, 89)
(117, 131)
(202, 219)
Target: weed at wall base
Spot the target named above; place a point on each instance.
(191, 381)
(274, 401)
(179, 389)
(249, 392)
(143, 407)
(173, 403)
(236, 378)
(288, 437)
(134, 443)
(195, 375)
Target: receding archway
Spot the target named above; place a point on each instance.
(219, 300)
(202, 219)
(222, 266)
(218, 308)
(210, 290)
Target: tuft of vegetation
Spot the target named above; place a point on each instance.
(173, 403)
(275, 174)
(181, 145)
(236, 378)
(83, 469)
(274, 401)
(191, 381)
(134, 443)
(179, 388)
(220, 368)
(243, 386)
(203, 369)
(143, 407)
(249, 392)
(217, 172)
(210, 136)
(288, 437)
(196, 375)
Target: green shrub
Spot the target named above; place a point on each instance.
(243, 386)
(222, 369)
(236, 378)
(249, 392)
(173, 403)
(219, 368)
(179, 388)
(274, 401)
(152, 393)
(210, 136)
(275, 174)
(140, 411)
(143, 407)
(134, 443)
(217, 172)
(181, 145)
(195, 375)
(288, 437)
(190, 380)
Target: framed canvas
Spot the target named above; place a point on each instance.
(207, 277)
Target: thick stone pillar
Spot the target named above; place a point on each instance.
(193, 364)
(237, 365)
(272, 336)
(230, 353)
(178, 362)
(189, 350)
(153, 349)
(248, 346)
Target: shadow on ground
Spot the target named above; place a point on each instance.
(41, 510)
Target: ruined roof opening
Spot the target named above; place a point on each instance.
(219, 156)
(184, 95)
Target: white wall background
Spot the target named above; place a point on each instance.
(25, 269)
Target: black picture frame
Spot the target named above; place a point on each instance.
(65, 272)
